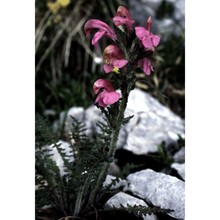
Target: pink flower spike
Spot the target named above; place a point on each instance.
(145, 65)
(148, 39)
(113, 57)
(103, 30)
(106, 93)
(123, 17)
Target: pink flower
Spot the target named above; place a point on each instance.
(145, 65)
(148, 39)
(113, 59)
(123, 17)
(103, 30)
(106, 93)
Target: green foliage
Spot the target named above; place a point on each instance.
(164, 156)
(79, 190)
(180, 142)
(165, 153)
(43, 132)
(70, 193)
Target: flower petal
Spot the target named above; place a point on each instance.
(141, 32)
(147, 42)
(118, 20)
(101, 26)
(145, 65)
(102, 84)
(156, 40)
(108, 68)
(112, 52)
(119, 63)
(99, 100)
(97, 36)
(111, 97)
(123, 12)
(123, 17)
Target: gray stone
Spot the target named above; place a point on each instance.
(124, 199)
(159, 189)
(66, 120)
(76, 112)
(179, 156)
(180, 168)
(152, 123)
(91, 116)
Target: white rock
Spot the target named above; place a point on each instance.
(180, 168)
(152, 123)
(76, 112)
(159, 189)
(125, 199)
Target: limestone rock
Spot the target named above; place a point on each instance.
(180, 168)
(124, 199)
(159, 189)
(152, 123)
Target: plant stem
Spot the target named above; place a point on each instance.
(114, 137)
(99, 182)
(119, 120)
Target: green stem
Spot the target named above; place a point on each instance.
(99, 182)
(119, 120)
(114, 137)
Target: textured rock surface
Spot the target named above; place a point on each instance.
(152, 123)
(124, 199)
(180, 168)
(159, 189)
